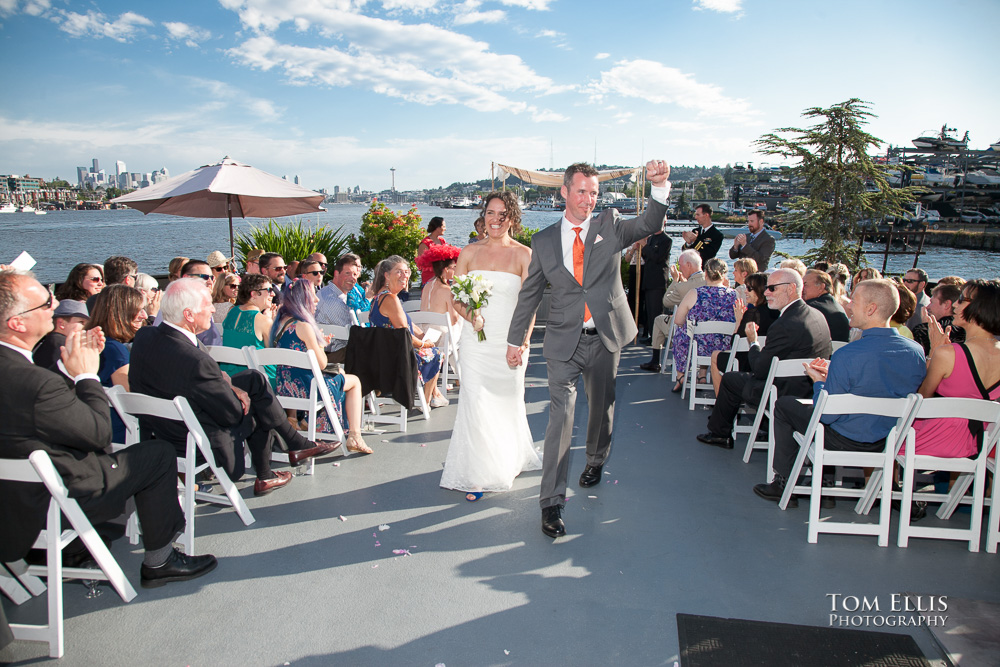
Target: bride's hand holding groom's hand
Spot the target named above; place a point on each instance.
(513, 356)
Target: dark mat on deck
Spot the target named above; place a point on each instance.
(707, 641)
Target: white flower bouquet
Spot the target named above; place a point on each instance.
(473, 292)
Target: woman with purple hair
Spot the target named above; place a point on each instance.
(295, 328)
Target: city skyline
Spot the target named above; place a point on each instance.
(430, 92)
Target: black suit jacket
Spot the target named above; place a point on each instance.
(163, 363)
(836, 318)
(708, 242)
(800, 333)
(655, 253)
(40, 411)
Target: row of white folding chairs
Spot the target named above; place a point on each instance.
(905, 411)
(695, 361)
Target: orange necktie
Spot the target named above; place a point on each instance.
(578, 266)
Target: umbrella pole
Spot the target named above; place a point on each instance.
(229, 210)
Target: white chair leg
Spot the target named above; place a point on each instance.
(815, 495)
(903, 538)
(955, 495)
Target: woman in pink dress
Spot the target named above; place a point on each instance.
(435, 236)
(966, 370)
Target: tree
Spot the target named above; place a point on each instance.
(683, 207)
(833, 160)
(716, 187)
(701, 191)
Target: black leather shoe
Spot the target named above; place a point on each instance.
(591, 476)
(552, 523)
(650, 366)
(179, 567)
(773, 492)
(710, 438)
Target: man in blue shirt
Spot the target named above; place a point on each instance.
(880, 364)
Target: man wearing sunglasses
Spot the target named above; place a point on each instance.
(73, 426)
(202, 271)
(801, 332)
(273, 266)
(915, 280)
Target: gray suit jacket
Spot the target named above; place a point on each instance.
(602, 285)
(760, 250)
(679, 289)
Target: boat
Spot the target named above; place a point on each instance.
(943, 141)
(548, 204)
(8, 208)
(982, 177)
(39, 211)
(27, 208)
(462, 202)
(995, 146)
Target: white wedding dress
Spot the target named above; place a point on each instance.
(491, 442)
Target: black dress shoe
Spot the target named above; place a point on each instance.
(552, 523)
(774, 490)
(179, 567)
(591, 476)
(650, 366)
(710, 438)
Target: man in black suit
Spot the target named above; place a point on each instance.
(758, 245)
(816, 288)
(73, 425)
(653, 279)
(706, 238)
(166, 361)
(800, 332)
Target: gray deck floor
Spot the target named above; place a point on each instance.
(674, 528)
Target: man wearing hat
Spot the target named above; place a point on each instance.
(69, 316)
(219, 263)
(253, 261)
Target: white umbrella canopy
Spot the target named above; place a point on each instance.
(223, 190)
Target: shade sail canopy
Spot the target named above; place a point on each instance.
(554, 179)
(210, 191)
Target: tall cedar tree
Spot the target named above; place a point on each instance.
(833, 162)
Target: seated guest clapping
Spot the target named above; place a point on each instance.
(800, 332)
(248, 323)
(753, 310)
(69, 316)
(295, 328)
(118, 312)
(83, 282)
(167, 361)
(333, 306)
(940, 310)
(150, 289)
(73, 426)
(880, 364)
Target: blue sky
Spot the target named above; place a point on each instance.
(339, 91)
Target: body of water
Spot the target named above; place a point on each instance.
(61, 239)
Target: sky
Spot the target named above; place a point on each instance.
(338, 92)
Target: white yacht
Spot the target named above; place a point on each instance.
(27, 208)
(8, 208)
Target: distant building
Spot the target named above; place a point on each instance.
(81, 176)
(296, 180)
(96, 168)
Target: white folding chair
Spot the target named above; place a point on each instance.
(237, 356)
(811, 446)
(319, 396)
(697, 361)
(787, 368)
(133, 405)
(38, 468)
(993, 532)
(972, 471)
(364, 317)
(411, 306)
(667, 355)
(449, 351)
(836, 345)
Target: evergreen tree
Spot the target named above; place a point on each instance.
(833, 161)
(716, 187)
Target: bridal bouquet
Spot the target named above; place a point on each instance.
(473, 292)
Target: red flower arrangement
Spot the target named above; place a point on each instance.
(437, 253)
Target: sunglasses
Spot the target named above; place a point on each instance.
(233, 285)
(46, 306)
(313, 273)
(277, 268)
(154, 290)
(203, 276)
(907, 281)
(220, 269)
(323, 264)
(96, 280)
(771, 288)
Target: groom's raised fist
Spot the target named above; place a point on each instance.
(657, 172)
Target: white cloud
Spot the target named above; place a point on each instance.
(191, 35)
(659, 84)
(492, 16)
(537, 5)
(95, 24)
(223, 95)
(623, 117)
(8, 7)
(413, 6)
(602, 56)
(36, 7)
(724, 6)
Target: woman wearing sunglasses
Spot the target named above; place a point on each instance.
(224, 295)
(83, 282)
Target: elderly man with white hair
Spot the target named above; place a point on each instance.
(801, 332)
(686, 276)
(168, 361)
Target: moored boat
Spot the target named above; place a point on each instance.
(8, 208)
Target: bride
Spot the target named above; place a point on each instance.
(491, 443)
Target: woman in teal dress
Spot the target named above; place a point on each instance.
(391, 277)
(249, 321)
(295, 328)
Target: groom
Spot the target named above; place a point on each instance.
(589, 321)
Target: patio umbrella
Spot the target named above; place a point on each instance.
(223, 190)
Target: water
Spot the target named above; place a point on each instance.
(61, 239)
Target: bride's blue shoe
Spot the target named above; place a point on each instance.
(473, 496)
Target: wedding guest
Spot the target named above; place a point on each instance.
(248, 321)
(816, 287)
(273, 266)
(83, 282)
(224, 294)
(839, 273)
(757, 245)
(219, 263)
(150, 289)
(359, 298)
(435, 236)
(941, 309)
(915, 280)
(320, 259)
(333, 305)
(796, 265)
(312, 271)
(480, 226)
(174, 268)
(952, 280)
(119, 313)
(436, 296)
(69, 316)
(867, 273)
(196, 268)
(907, 304)
(291, 272)
(295, 328)
(252, 264)
(753, 309)
(706, 238)
(686, 276)
(121, 270)
(742, 268)
(391, 277)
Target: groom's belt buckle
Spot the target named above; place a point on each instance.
(590, 332)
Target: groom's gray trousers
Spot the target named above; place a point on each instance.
(599, 368)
